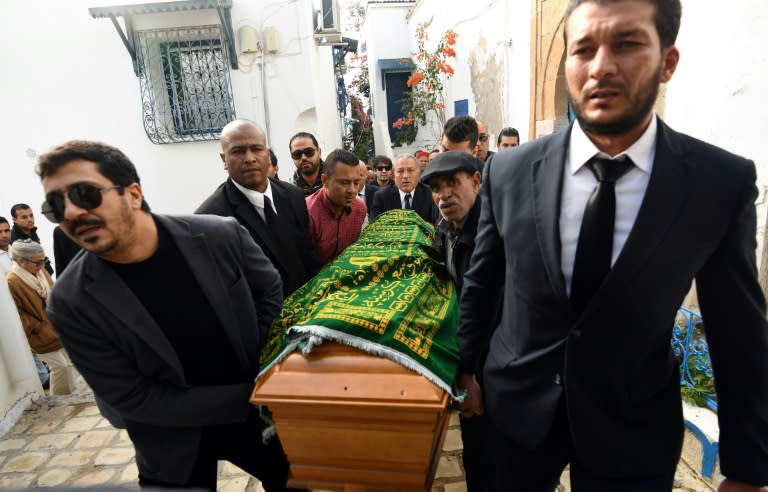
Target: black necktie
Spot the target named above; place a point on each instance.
(595, 245)
(269, 212)
(407, 201)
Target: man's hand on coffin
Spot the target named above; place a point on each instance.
(473, 402)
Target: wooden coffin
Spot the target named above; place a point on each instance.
(351, 421)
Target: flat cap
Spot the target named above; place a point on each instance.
(449, 163)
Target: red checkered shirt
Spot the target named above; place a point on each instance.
(331, 235)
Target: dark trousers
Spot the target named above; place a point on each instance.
(241, 445)
(479, 461)
(522, 469)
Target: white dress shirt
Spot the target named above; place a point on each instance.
(579, 182)
(257, 198)
(402, 197)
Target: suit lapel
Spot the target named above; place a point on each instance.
(201, 261)
(547, 182)
(108, 289)
(394, 197)
(246, 213)
(666, 193)
(421, 200)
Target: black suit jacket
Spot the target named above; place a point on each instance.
(130, 364)
(613, 363)
(289, 248)
(389, 198)
(370, 191)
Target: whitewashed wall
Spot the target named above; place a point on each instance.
(66, 75)
(387, 35)
(719, 93)
(492, 65)
(493, 57)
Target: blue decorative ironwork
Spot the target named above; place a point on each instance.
(709, 449)
(690, 347)
(186, 91)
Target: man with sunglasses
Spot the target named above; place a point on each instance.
(165, 317)
(274, 212)
(383, 167)
(483, 142)
(460, 133)
(306, 153)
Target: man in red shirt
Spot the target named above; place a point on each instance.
(335, 215)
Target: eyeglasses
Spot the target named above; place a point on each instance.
(483, 138)
(296, 154)
(83, 195)
(37, 263)
(383, 168)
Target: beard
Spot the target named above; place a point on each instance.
(119, 234)
(309, 171)
(638, 110)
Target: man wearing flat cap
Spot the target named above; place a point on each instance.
(454, 180)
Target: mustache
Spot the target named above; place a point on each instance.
(85, 221)
(447, 203)
(610, 84)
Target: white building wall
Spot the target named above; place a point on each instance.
(492, 64)
(387, 35)
(719, 92)
(68, 76)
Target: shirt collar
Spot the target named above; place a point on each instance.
(642, 151)
(256, 197)
(402, 194)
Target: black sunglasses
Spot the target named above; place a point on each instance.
(296, 154)
(383, 168)
(483, 138)
(83, 195)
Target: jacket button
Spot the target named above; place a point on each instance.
(558, 379)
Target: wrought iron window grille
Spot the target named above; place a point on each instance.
(186, 90)
(692, 352)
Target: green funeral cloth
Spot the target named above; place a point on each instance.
(385, 295)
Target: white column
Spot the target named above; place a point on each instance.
(19, 382)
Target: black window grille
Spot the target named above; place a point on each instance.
(186, 91)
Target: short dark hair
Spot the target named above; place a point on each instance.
(667, 17)
(272, 158)
(381, 159)
(17, 207)
(460, 129)
(339, 156)
(110, 161)
(507, 131)
(3, 220)
(303, 135)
